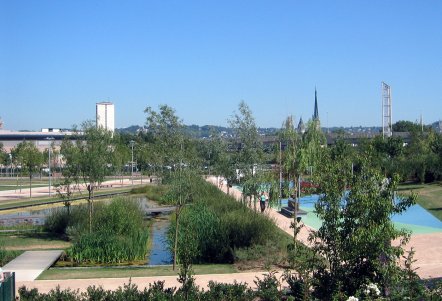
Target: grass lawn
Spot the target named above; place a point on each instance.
(429, 196)
(32, 241)
(35, 201)
(115, 272)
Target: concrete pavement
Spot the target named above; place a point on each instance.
(29, 265)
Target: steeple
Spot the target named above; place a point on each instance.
(301, 126)
(316, 113)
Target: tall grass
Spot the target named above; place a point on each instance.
(118, 235)
(153, 192)
(216, 225)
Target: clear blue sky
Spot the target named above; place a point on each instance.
(58, 58)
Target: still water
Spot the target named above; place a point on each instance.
(160, 253)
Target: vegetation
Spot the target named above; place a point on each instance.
(118, 232)
(356, 233)
(429, 196)
(127, 272)
(216, 229)
(7, 255)
(28, 156)
(268, 288)
(352, 255)
(152, 192)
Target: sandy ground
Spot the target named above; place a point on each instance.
(142, 282)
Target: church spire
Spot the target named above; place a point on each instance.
(316, 113)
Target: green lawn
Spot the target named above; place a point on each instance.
(35, 201)
(31, 241)
(429, 196)
(115, 272)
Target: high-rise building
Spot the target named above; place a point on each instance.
(105, 115)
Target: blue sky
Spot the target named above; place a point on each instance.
(58, 58)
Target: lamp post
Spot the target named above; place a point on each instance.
(132, 162)
(10, 169)
(49, 163)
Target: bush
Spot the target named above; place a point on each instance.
(118, 234)
(215, 224)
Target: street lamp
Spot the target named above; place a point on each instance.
(132, 163)
(49, 163)
(10, 170)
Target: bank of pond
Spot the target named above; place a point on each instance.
(213, 228)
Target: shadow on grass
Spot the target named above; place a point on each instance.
(435, 209)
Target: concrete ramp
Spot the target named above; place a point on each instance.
(29, 265)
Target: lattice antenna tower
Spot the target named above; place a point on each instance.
(387, 130)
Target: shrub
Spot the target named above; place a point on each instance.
(118, 233)
(215, 224)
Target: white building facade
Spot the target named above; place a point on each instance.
(105, 116)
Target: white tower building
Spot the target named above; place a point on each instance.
(387, 125)
(106, 115)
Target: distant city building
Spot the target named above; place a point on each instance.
(316, 113)
(387, 124)
(301, 126)
(105, 116)
(51, 130)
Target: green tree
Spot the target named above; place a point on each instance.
(355, 236)
(249, 150)
(436, 148)
(408, 126)
(71, 171)
(312, 142)
(419, 158)
(88, 159)
(166, 132)
(121, 153)
(30, 158)
(3, 155)
(291, 160)
(180, 194)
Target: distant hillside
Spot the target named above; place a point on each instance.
(205, 131)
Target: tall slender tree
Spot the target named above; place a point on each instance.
(30, 158)
(249, 150)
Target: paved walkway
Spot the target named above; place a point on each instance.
(29, 265)
(202, 281)
(427, 247)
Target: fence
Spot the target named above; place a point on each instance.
(7, 287)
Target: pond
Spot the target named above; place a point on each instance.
(159, 254)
